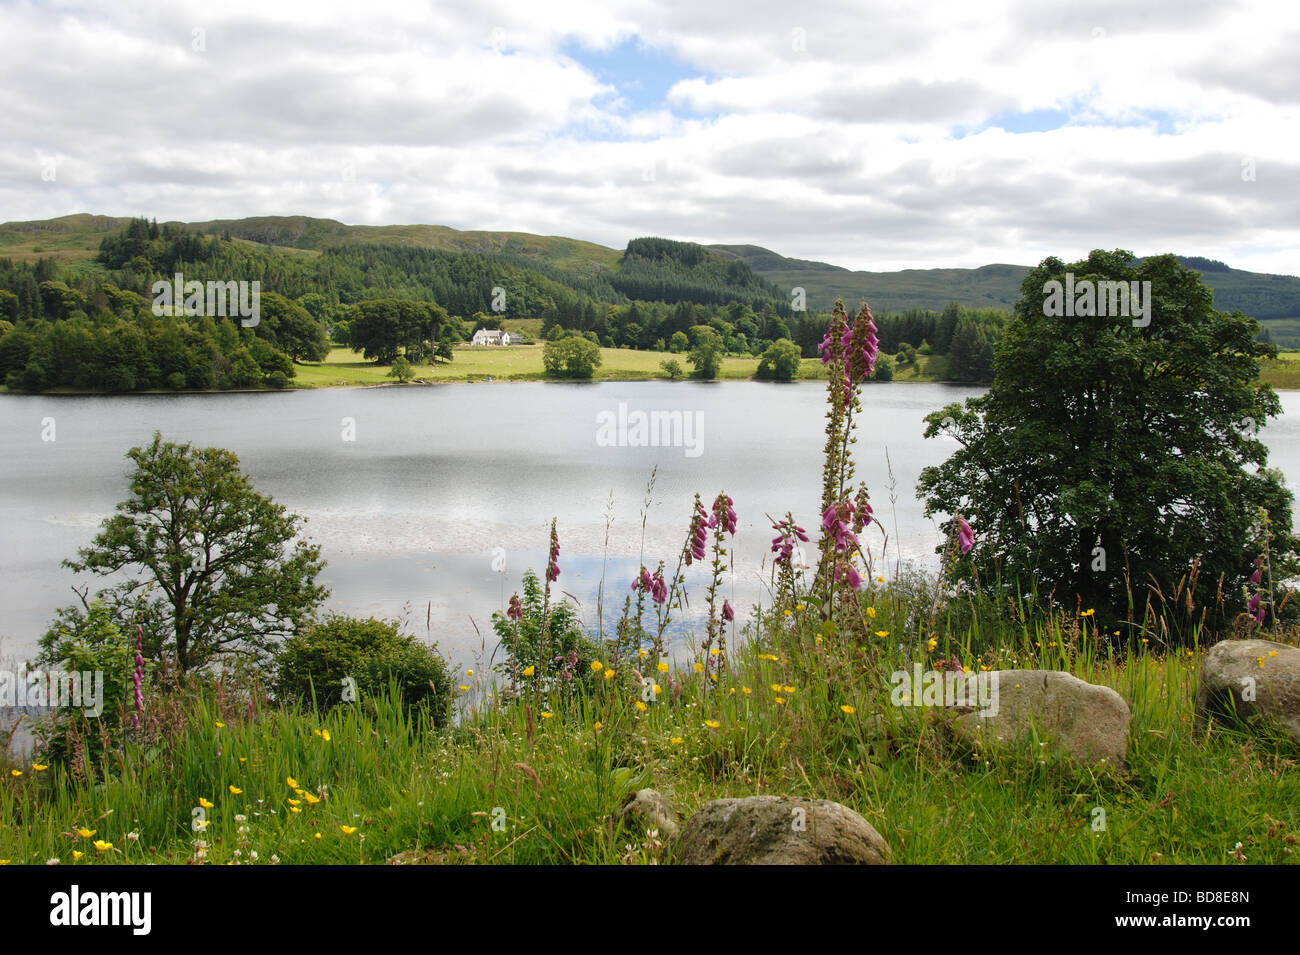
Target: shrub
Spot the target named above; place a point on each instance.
(571, 651)
(313, 665)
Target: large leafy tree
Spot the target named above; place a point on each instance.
(1111, 459)
(217, 572)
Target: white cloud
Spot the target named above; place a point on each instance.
(825, 131)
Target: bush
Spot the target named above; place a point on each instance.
(312, 666)
(571, 651)
(571, 358)
(780, 362)
(884, 368)
(83, 641)
(672, 369)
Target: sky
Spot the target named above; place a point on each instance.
(873, 136)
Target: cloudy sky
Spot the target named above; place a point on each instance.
(870, 135)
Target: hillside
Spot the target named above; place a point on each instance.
(1273, 299)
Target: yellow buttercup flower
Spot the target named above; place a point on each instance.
(529, 670)
(463, 687)
(1271, 653)
(850, 710)
(746, 690)
(316, 835)
(640, 705)
(871, 612)
(294, 809)
(1088, 613)
(102, 846)
(712, 724)
(205, 804)
(235, 790)
(934, 642)
(642, 654)
(218, 724)
(293, 783)
(348, 830)
(311, 800)
(295, 802)
(609, 674)
(658, 689)
(714, 652)
(546, 715)
(42, 767)
(699, 668)
(663, 667)
(767, 656)
(15, 773)
(597, 666)
(781, 700)
(77, 854)
(86, 833)
(325, 735)
(882, 633)
(799, 606)
(788, 689)
(469, 672)
(775, 687)
(597, 725)
(677, 741)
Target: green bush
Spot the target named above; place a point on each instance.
(312, 667)
(571, 652)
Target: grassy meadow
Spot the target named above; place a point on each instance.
(797, 712)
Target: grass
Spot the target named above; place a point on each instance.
(552, 783)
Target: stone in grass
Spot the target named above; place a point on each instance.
(1087, 722)
(649, 809)
(1243, 681)
(774, 830)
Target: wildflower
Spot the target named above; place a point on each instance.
(699, 532)
(1088, 613)
(293, 783)
(597, 666)
(715, 652)
(51, 861)
(871, 612)
(641, 654)
(882, 633)
(775, 687)
(41, 767)
(788, 689)
(780, 700)
(325, 735)
(768, 656)
(640, 705)
(86, 833)
(529, 670)
(965, 536)
(462, 687)
(846, 708)
(662, 667)
(847, 572)
(15, 773)
(516, 610)
(659, 689)
(294, 809)
(348, 830)
(676, 741)
(311, 799)
(235, 790)
(597, 726)
(102, 846)
(546, 714)
(837, 521)
(295, 802)
(934, 642)
(316, 835)
(1272, 653)
(609, 674)
(76, 854)
(727, 613)
(746, 690)
(553, 565)
(218, 724)
(699, 667)
(469, 672)
(880, 580)
(712, 724)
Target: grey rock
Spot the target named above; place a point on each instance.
(773, 830)
(1087, 722)
(649, 809)
(1240, 683)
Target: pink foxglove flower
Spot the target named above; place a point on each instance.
(516, 610)
(965, 536)
(727, 613)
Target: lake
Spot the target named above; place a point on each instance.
(441, 483)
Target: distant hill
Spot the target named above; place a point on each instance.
(73, 240)
(1273, 299)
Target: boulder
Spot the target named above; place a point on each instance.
(1245, 680)
(773, 830)
(649, 809)
(1087, 722)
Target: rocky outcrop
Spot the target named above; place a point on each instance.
(772, 830)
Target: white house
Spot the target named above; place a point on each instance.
(491, 336)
